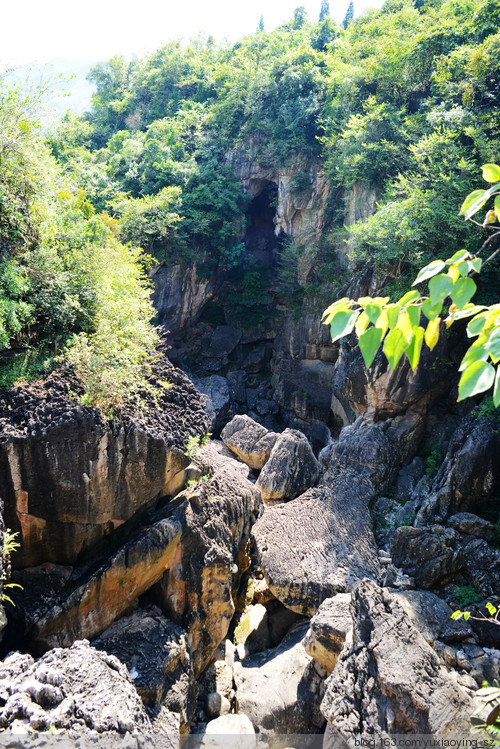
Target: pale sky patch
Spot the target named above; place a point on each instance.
(41, 30)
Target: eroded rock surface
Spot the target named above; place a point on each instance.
(429, 555)
(250, 441)
(78, 687)
(467, 473)
(158, 657)
(280, 690)
(319, 544)
(373, 450)
(390, 681)
(69, 477)
(329, 629)
(291, 468)
(195, 592)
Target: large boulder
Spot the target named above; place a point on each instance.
(319, 544)
(195, 549)
(389, 680)
(218, 400)
(373, 450)
(467, 474)
(196, 591)
(432, 617)
(89, 603)
(78, 688)
(158, 657)
(429, 555)
(280, 690)
(69, 476)
(330, 627)
(250, 441)
(291, 468)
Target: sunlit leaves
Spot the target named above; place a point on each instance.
(429, 271)
(432, 332)
(397, 325)
(477, 378)
(342, 324)
(463, 291)
(439, 288)
(394, 347)
(491, 173)
(369, 343)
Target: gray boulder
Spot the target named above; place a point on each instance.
(432, 617)
(467, 473)
(158, 657)
(250, 441)
(468, 524)
(408, 478)
(319, 544)
(429, 555)
(223, 341)
(280, 690)
(76, 688)
(482, 563)
(373, 450)
(389, 680)
(291, 468)
(218, 401)
(329, 629)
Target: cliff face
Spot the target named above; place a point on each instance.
(69, 477)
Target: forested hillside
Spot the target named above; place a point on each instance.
(403, 101)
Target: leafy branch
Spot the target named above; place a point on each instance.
(403, 327)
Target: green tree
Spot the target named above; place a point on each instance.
(349, 15)
(324, 13)
(260, 27)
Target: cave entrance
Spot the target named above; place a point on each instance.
(260, 240)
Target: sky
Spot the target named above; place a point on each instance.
(41, 30)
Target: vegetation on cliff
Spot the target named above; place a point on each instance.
(403, 100)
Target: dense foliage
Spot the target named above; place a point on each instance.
(402, 102)
(67, 284)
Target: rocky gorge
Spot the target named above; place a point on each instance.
(295, 574)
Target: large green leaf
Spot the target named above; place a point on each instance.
(430, 310)
(491, 173)
(373, 311)
(476, 324)
(415, 347)
(369, 343)
(439, 288)
(496, 389)
(474, 202)
(475, 353)
(394, 347)
(414, 314)
(392, 312)
(475, 379)
(463, 291)
(410, 296)
(432, 269)
(493, 345)
(343, 304)
(468, 311)
(342, 324)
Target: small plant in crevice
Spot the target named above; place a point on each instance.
(194, 482)
(466, 595)
(10, 545)
(195, 443)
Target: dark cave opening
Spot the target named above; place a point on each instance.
(260, 240)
